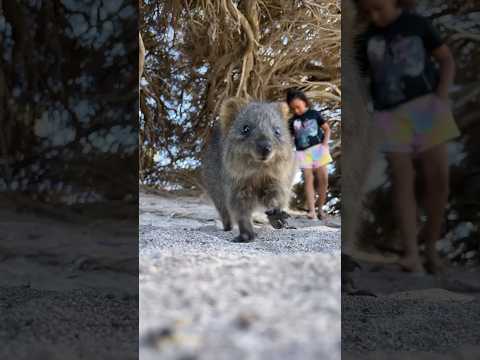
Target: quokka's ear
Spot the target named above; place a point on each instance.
(229, 110)
(284, 110)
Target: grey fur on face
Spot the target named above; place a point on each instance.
(258, 135)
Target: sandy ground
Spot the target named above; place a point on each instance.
(70, 291)
(67, 291)
(415, 317)
(204, 297)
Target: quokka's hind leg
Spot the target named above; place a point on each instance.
(226, 220)
(224, 216)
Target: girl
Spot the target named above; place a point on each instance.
(410, 71)
(311, 134)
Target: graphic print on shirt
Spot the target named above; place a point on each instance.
(306, 131)
(393, 62)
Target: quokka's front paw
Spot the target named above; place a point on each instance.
(277, 218)
(244, 237)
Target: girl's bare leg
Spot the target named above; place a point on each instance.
(321, 174)
(434, 164)
(309, 192)
(405, 207)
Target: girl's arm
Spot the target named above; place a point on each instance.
(444, 58)
(326, 134)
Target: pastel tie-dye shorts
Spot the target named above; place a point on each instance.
(417, 125)
(313, 157)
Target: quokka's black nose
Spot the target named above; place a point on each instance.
(264, 148)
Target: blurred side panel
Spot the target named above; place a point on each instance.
(69, 179)
(388, 313)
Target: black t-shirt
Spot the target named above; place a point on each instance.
(306, 129)
(398, 60)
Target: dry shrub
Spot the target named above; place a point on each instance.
(201, 52)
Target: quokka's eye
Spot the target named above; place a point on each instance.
(277, 131)
(246, 130)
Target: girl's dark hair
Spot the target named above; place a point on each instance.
(293, 94)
